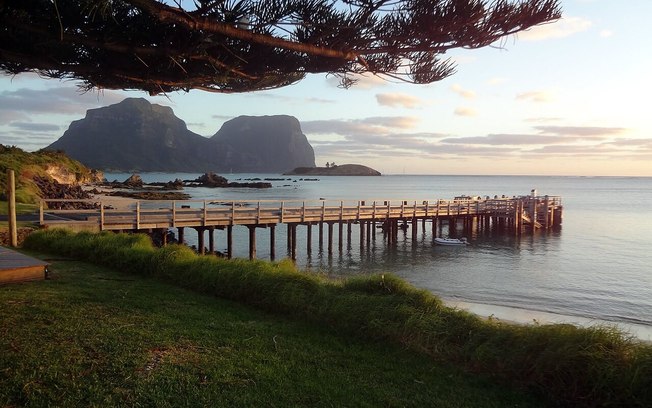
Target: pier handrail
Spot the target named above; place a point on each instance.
(136, 214)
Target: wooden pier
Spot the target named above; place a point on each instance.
(515, 214)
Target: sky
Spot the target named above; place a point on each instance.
(569, 98)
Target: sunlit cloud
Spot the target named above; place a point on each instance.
(584, 131)
(462, 111)
(366, 126)
(606, 33)
(399, 100)
(497, 81)
(288, 99)
(564, 27)
(544, 119)
(535, 96)
(505, 139)
(464, 93)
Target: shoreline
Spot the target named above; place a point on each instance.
(516, 315)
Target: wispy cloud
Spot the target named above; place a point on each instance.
(462, 111)
(35, 127)
(63, 100)
(582, 131)
(564, 27)
(464, 93)
(366, 126)
(535, 96)
(399, 100)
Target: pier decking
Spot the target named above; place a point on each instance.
(517, 214)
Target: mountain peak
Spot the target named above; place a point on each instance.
(136, 135)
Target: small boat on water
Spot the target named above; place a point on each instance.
(451, 241)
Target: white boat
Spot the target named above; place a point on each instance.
(451, 241)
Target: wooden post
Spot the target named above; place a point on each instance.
(180, 233)
(330, 237)
(321, 235)
(211, 239)
(11, 202)
(414, 230)
(102, 216)
(272, 242)
(229, 241)
(309, 238)
(289, 237)
(361, 233)
(294, 242)
(348, 234)
(252, 241)
(369, 227)
(200, 240)
(341, 234)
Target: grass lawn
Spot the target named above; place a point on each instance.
(92, 336)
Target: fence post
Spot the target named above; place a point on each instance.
(11, 202)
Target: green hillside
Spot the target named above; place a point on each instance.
(42, 163)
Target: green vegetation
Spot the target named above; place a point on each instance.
(91, 336)
(577, 366)
(28, 165)
(21, 208)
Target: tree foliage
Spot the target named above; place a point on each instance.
(247, 45)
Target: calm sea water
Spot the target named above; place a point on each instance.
(599, 266)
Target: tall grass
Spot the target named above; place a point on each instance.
(596, 366)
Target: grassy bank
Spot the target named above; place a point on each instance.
(577, 366)
(92, 336)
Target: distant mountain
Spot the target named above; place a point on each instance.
(135, 135)
(263, 143)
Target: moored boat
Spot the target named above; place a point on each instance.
(451, 241)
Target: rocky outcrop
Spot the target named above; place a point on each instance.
(64, 175)
(135, 135)
(342, 170)
(212, 180)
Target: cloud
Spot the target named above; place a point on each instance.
(564, 27)
(398, 100)
(534, 96)
(606, 33)
(289, 99)
(583, 131)
(497, 81)
(35, 127)
(366, 126)
(461, 111)
(505, 139)
(543, 119)
(61, 100)
(464, 93)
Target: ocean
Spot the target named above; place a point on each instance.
(597, 268)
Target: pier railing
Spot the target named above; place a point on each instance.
(108, 214)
